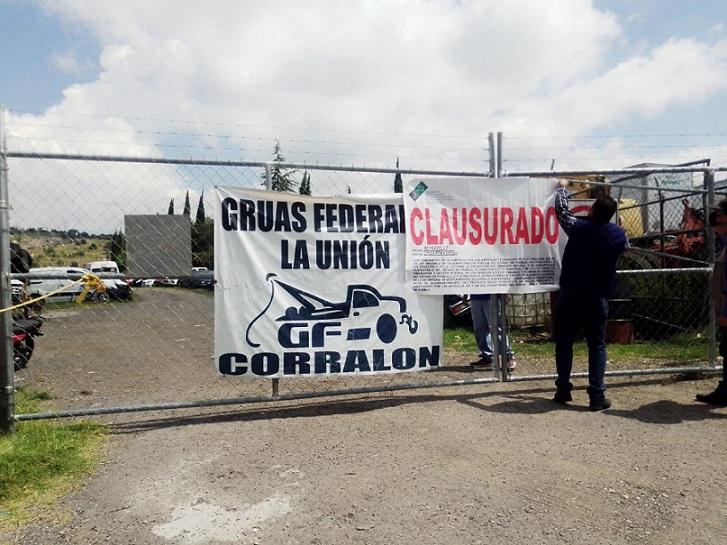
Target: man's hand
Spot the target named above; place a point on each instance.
(562, 210)
(719, 223)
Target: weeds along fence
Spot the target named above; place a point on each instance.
(154, 351)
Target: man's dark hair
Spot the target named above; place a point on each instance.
(603, 209)
(20, 259)
(717, 210)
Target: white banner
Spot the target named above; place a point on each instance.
(312, 286)
(482, 235)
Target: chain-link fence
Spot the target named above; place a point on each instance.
(151, 346)
(662, 314)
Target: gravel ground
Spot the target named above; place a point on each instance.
(491, 463)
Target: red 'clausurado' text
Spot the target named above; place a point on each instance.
(498, 225)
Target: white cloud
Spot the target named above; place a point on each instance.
(350, 82)
(66, 63)
(405, 66)
(677, 72)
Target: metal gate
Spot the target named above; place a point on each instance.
(155, 351)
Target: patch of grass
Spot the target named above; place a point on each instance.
(48, 251)
(42, 460)
(664, 350)
(179, 289)
(61, 305)
(27, 401)
(460, 339)
(678, 349)
(86, 305)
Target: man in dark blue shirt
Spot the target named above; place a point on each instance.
(587, 278)
(718, 221)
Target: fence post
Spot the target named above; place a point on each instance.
(499, 154)
(7, 369)
(268, 177)
(269, 187)
(708, 200)
(503, 336)
(493, 318)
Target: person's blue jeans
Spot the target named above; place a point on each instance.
(480, 311)
(723, 353)
(575, 311)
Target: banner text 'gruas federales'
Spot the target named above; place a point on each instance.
(283, 216)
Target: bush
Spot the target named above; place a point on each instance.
(665, 305)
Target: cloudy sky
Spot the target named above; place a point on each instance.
(589, 84)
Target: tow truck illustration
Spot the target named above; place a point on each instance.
(364, 311)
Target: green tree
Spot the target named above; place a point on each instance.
(398, 183)
(304, 188)
(171, 206)
(187, 208)
(203, 243)
(281, 178)
(116, 249)
(200, 217)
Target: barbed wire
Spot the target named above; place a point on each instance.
(290, 152)
(260, 126)
(307, 141)
(636, 146)
(625, 135)
(361, 131)
(580, 158)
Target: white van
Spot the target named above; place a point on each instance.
(103, 267)
(42, 286)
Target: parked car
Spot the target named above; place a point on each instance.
(17, 290)
(118, 289)
(41, 286)
(103, 266)
(198, 279)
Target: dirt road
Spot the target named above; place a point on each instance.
(483, 464)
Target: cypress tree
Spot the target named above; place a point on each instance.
(282, 179)
(200, 210)
(304, 188)
(187, 208)
(398, 183)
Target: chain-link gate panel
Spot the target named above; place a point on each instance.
(659, 314)
(152, 343)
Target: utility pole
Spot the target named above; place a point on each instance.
(7, 368)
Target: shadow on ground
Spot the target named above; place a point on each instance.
(669, 412)
(524, 401)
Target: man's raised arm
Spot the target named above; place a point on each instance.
(565, 217)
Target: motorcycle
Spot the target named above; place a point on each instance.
(27, 322)
(24, 332)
